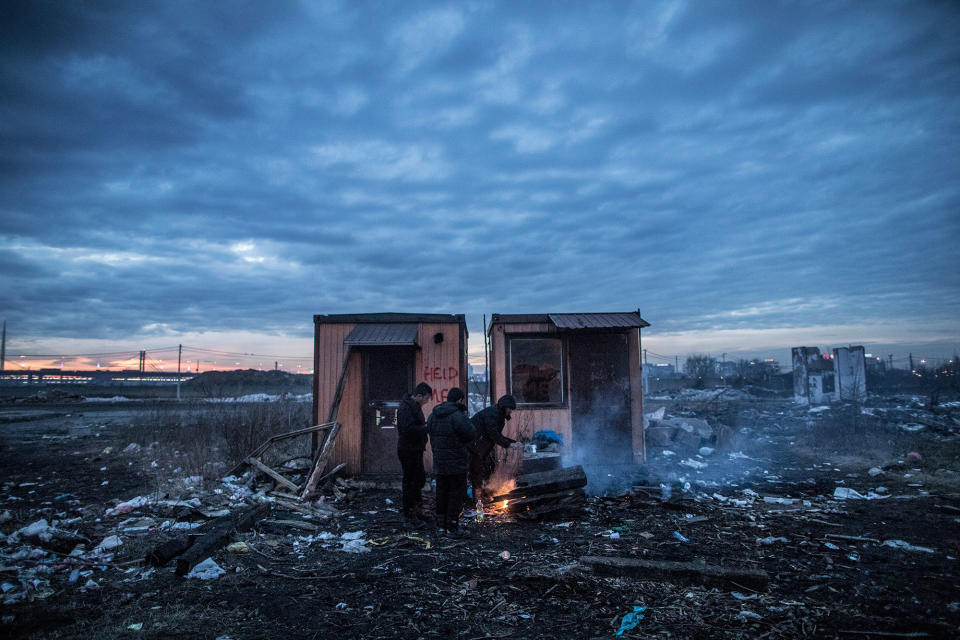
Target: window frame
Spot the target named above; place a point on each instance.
(564, 392)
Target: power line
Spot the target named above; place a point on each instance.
(94, 355)
(240, 354)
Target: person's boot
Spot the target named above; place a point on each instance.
(423, 516)
(410, 521)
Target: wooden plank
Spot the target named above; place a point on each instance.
(698, 572)
(321, 463)
(337, 469)
(300, 432)
(338, 394)
(264, 469)
(219, 532)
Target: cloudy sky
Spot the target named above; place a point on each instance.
(750, 175)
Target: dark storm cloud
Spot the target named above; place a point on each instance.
(213, 166)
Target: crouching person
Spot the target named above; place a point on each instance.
(411, 443)
(450, 430)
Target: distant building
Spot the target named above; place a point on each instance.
(726, 369)
(828, 377)
(659, 370)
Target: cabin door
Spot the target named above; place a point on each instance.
(600, 398)
(387, 375)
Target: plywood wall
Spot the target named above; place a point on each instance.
(437, 364)
(330, 353)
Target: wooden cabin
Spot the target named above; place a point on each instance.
(374, 358)
(579, 374)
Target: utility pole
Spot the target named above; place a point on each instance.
(676, 364)
(276, 367)
(911, 363)
(179, 353)
(644, 357)
(3, 348)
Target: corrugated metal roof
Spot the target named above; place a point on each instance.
(597, 320)
(382, 318)
(382, 335)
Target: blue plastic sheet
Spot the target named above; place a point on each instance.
(545, 437)
(631, 619)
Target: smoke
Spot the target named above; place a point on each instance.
(602, 441)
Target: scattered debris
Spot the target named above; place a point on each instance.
(206, 570)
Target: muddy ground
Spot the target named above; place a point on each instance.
(884, 565)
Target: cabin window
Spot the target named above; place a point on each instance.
(536, 371)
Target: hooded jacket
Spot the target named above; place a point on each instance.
(411, 426)
(489, 423)
(450, 430)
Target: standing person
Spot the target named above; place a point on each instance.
(411, 443)
(489, 423)
(450, 430)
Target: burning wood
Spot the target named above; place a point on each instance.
(537, 494)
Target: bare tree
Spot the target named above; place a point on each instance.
(700, 366)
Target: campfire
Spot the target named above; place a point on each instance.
(536, 494)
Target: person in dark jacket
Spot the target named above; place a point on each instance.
(450, 431)
(489, 423)
(411, 443)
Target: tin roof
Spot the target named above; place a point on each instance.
(575, 320)
(382, 335)
(383, 318)
(598, 320)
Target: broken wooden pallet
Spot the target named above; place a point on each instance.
(307, 488)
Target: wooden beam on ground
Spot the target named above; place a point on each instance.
(167, 551)
(267, 471)
(314, 480)
(573, 501)
(217, 534)
(569, 496)
(554, 481)
(697, 572)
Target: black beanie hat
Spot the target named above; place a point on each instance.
(507, 402)
(455, 394)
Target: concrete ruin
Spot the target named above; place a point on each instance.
(820, 378)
